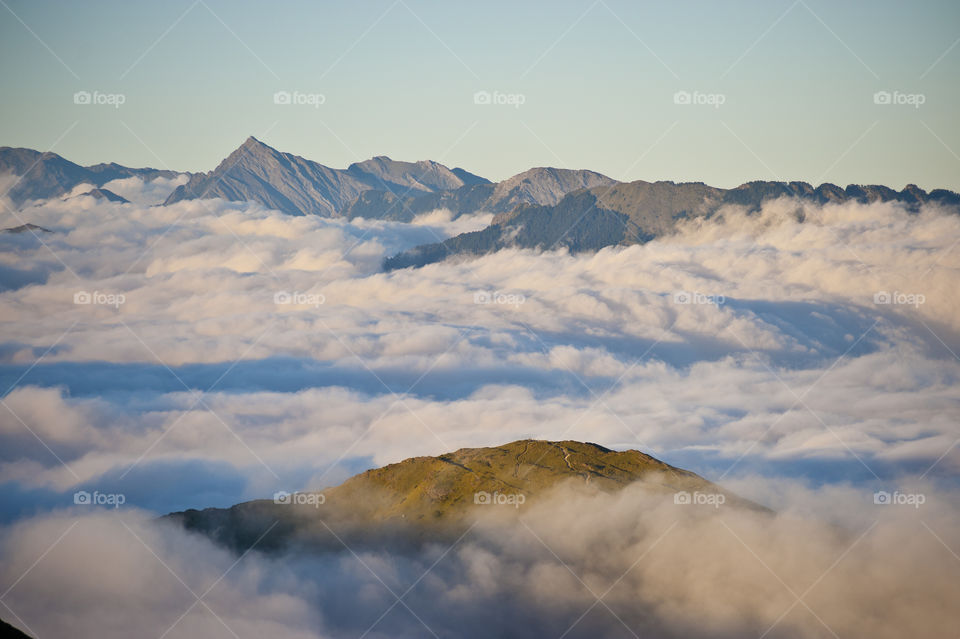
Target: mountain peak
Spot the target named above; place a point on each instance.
(253, 145)
(257, 172)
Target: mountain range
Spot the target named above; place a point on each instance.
(43, 175)
(636, 212)
(542, 208)
(379, 188)
(429, 498)
(541, 185)
(259, 173)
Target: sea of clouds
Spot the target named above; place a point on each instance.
(211, 352)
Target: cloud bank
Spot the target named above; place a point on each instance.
(628, 564)
(211, 352)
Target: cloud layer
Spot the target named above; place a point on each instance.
(211, 352)
(628, 564)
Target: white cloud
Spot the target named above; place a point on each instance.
(796, 348)
(145, 192)
(202, 383)
(860, 569)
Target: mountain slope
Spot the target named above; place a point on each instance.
(425, 176)
(11, 632)
(104, 194)
(430, 497)
(544, 186)
(25, 228)
(45, 175)
(257, 172)
(541, 185)
(636, 212)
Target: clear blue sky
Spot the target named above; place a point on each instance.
(598, 79)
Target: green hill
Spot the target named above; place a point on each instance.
(429, 498)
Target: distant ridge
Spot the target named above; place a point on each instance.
(257, 172)
(541, 185)
(23, 228)
(542, 208)
(104, 194)
(636, 212)
(46, 175)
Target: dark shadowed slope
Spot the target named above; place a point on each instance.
(636, 212)
(8, 631)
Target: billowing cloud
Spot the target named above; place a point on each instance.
(830, 562)
(211, 352)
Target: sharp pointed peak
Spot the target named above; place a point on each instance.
(257, 146)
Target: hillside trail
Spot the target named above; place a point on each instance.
(516, 469)
(566, 459)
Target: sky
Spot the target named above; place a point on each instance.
(210, 352)
(778, 89)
